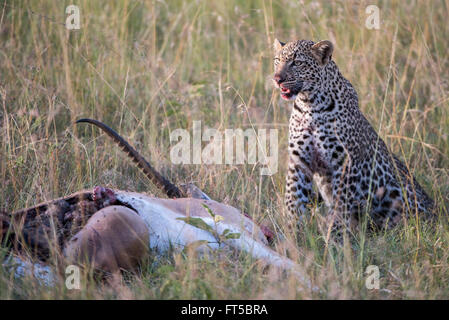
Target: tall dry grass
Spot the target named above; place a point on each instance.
(149, 67)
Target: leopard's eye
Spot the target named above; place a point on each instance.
(298, 62)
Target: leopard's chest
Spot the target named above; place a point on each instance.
(313, 145)
(310, 142)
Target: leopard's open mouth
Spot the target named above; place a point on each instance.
(287, 93)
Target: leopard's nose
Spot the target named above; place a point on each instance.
(278, 78)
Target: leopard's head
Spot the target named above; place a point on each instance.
(300, 66)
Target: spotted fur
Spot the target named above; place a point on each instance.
(332, 145)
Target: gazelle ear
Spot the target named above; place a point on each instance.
(277, 45)
(322, 51)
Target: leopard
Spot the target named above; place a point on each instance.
(335, 155)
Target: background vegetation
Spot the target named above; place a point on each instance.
(149, 67)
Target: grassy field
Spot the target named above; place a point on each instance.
(149, 67)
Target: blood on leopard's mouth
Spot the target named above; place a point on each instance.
(286, 93)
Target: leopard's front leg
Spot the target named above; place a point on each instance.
(338, 223)
(299, 192)
(340, 219)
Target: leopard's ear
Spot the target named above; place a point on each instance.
(322, 51)
(277, 45)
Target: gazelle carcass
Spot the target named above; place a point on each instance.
(166, 221)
